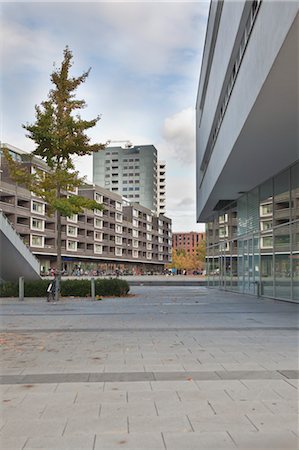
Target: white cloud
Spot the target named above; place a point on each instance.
(179, 136)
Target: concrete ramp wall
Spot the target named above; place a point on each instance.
(16, 259)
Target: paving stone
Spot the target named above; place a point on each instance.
(32, 428)
(159, 423)
(101, 425)
(85, 442)
(147, 441)
(282, 440)
(270, 422)
(12, 443)
(198, 441)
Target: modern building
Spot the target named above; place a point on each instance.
(133, 172)
(187, 241)
(125, 236)
(247, 147)
(161, 200)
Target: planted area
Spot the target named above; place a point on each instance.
(69, 288)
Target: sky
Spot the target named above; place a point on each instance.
(145, 60)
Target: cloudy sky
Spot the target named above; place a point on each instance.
(145, 62)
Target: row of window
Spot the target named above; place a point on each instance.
(235, 68)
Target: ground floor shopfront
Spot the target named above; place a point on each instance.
(253, 246)
(80, 266)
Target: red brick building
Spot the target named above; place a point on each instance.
(187, 241)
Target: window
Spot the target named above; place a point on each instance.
(266, 225)
(135, 243)
(149, 246)
(223, 218)
(37, 241)
(98, 198)
(135, 223)
(118, 229)
(98, 248)
(37, 224)
(135, 213)
(118, 251)
(266, 210)
(149, 227)
(223, 231)
(118, 240)
(98, 223)
(73, 218)
(118, 217)
(160, 240)
(160, 223)
(135, 253)
(148, 255)
(267, 242)
(118, 206)
(71, 230)
(71, 245)
(135, 233)
(125, 189)
(98, 236)
(160, 257)
(160, 248)
(149, 218)
(37, 207)
(149, 237)
(98, 212)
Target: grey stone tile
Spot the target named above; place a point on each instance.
(265, 440)
(159, 423)
(84, 442)
(221, 422)
(12, 443)
(144, 440)
(198, 441)
(33, 428)
(101, 425)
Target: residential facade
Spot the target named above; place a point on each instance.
(125, 236)
(247, 147)
(187, 241)
(130, 171)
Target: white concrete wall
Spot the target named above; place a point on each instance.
(269, 33)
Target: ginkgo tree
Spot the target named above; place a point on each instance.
(59, 135)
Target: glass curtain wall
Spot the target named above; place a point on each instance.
(264, 257)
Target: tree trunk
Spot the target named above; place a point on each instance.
(58, 260)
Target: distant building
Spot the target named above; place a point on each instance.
(161, 187)
(125, 236)
(130, 171)
(247, 148)
(187, 241)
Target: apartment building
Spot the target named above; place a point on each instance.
(247, 147)
(134, 173)
(125, 235)
(187, 241)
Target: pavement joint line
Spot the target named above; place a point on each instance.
(119, 377)
(143, 330)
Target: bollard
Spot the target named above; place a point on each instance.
(21, 289)
(93, 289)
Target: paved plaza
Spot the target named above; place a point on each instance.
(173, 368)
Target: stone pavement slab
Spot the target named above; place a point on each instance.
(172, 368)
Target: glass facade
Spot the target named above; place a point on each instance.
(253, 245)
